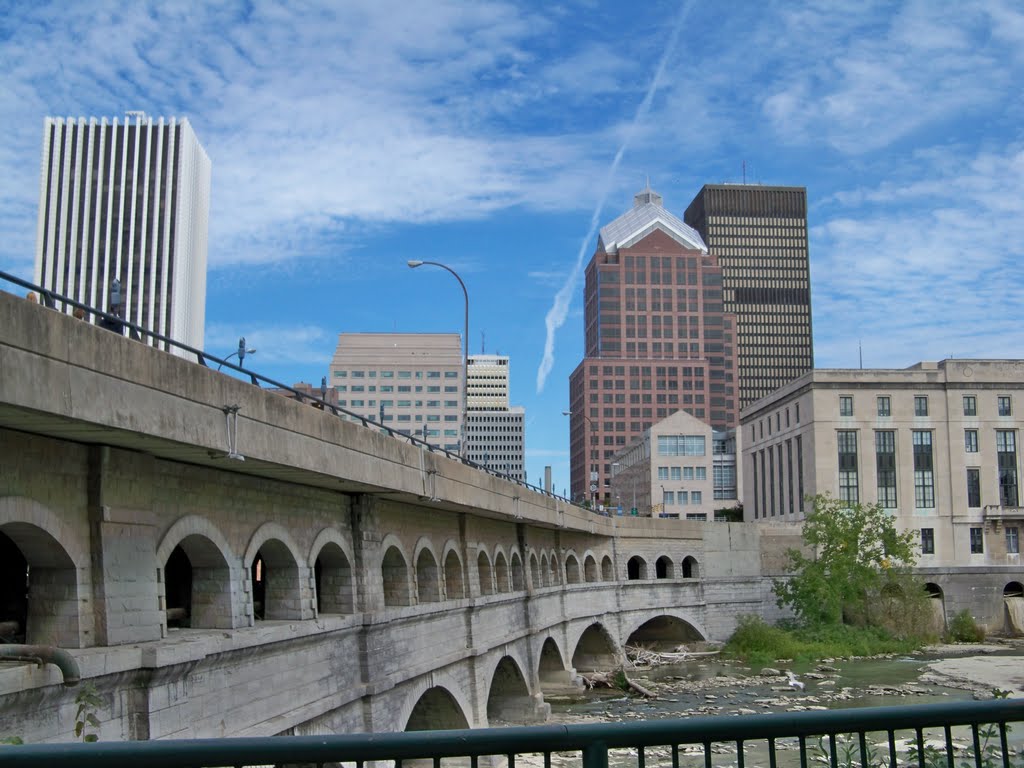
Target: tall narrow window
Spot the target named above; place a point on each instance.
(848, 490)
(1012, 540)
(771, 481)
(973, 488)
(971, 440)
(924, 479)
(1006, 460)
(885, 468)
(789, 471)
(977, 541)
(921, 405)
(845, 405)
(927, 541)
(970, 405)
(884, 405)
(1003, 405)
(800, 471)
(757, 498)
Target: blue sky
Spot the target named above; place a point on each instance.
(347, 138)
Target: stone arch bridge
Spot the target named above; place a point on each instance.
(336, 580)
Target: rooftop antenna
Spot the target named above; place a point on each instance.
(744, 171)
(860, 352)
(483, 337)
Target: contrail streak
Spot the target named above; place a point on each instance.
(555, 317)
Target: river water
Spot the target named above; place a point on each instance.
(709, 686)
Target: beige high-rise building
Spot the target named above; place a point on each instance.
(495, 432)
(936, 444)
(411, 382)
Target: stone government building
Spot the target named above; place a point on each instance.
(936, 444)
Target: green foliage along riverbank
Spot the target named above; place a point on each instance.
(758, 643)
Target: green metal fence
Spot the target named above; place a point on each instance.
(957, 735)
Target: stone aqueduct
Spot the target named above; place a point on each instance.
(336, 580)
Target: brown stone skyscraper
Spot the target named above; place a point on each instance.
(759, 235)
(658, 340)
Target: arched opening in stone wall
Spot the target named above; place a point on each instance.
(335, 588)
(691, 568)
(551, 671)
(197, 585)
(395, 573)
(501, 573)
(436, 710)
(572, 569)
(664, 568)
(276, 590)
(1013, 599)
(553, 566)
(937, 604)
(39, 591)
(509, 701)
(453, 581)
(428, 582)
(636, 568)
(590, 569)
(595, 651)
(518, 578)
(607, 569)
(663, 633)
(545, 571)
(483, 567)
(535, 571)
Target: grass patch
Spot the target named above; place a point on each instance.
(756, 642)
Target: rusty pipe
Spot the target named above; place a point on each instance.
(45, 654)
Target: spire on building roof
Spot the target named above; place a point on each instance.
(648, 195)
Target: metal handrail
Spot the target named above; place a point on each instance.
(591, 741)
(50, 299)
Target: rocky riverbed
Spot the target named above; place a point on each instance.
(711, 687)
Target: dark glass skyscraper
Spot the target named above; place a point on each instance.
(759, 235)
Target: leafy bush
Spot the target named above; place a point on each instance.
(759, 643)
(964, 629)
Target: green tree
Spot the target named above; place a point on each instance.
(857, 557)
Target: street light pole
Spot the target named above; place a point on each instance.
(241, 352)
(590, 481)
(413, 263)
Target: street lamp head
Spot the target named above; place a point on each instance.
(413, 263)
(567, 413)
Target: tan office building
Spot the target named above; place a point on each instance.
(411, 382)
(936, 444)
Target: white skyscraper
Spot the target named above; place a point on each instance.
(129, 201)
(495, 431)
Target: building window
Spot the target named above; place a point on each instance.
(884, 405)
(970, 405)
(847, 440)
(677, 473)
(684, 498)
(771, 481)
(797, 407)
(885, 468)
(927, 541)
(920, 405)
(800, 470)
(696, 497)
(973, 488)
(669, 499)
(663, 473)
(1006, 460)
(971, 440)
(681, 445)
(687, 473)
(977, 541)
(1012, 540)
(845, 405)
(924, 480)
(1003, 405)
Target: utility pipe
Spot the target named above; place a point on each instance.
(45, 654)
